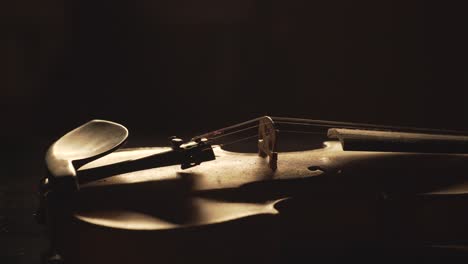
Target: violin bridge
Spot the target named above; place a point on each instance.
(267, 141)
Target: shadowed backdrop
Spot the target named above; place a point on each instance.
(182, 67)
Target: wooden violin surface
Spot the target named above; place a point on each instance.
(320, 201)
(196, 202)
(238, 185)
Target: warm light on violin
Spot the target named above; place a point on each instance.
(303, 186)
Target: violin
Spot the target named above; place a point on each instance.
(298, 189)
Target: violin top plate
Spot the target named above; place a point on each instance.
(168, 197)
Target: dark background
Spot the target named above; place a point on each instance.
(181, 67)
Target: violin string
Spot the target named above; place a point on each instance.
(279, 130)
(238, 140)
(221, 130)
(276, 120)
(234, 132)
(319, 125)
(256, 136)
(301, 121)
(256, 126)
(220, 133)
(330, 124)
(301, 132)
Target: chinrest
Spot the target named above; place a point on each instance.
(79, 146)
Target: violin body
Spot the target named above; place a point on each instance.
(323, 204)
